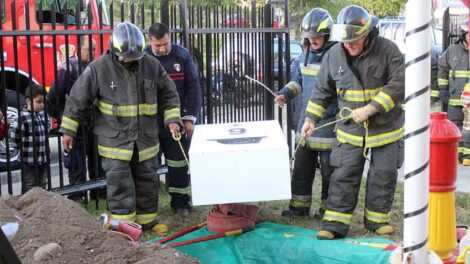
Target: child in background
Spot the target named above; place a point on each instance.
(29, 136)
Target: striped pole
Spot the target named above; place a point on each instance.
(417, 98)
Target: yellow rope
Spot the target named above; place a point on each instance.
(177, 137)
(342, 118)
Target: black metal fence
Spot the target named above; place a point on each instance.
(450, 28)
(228, 42)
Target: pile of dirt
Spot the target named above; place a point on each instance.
(51, 218)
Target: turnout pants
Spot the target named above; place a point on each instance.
(348, 162)
(305, 164)
(456, 115)
(132, 188)
(177, 169)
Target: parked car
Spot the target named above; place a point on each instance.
(12, 118)
(43, 55)
(295, 51)
(235, 20)
(394, 29)
(238, 58)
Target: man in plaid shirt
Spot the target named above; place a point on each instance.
(28, 134)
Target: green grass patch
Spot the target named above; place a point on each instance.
(271, 211)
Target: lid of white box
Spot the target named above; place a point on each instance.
(237, 136)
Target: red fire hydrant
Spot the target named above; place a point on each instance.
(445, 137)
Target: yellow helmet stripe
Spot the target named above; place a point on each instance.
(323, 25)
(365, 27)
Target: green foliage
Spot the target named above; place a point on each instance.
(382, 8)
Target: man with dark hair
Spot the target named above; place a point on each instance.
(29, 135)
(75, 161)
(179, 65)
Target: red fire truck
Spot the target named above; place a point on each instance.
(21, 19)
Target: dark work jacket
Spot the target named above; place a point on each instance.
(375, 77)
(127, 103)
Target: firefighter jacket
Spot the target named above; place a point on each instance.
(303, 82)
(375, 77)
(127, 102)
(454, 74)
(179, 65)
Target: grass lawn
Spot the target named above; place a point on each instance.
(271, 211)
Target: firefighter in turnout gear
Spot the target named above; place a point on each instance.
(454, 78)
(365, 73)
(127, 89)
(316, 27)
(179, 65)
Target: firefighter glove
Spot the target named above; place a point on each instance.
(362, 114)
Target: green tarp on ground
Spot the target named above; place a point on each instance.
(275, 243)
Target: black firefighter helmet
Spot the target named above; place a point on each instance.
(353, 23)
(316, 23)
(127, 42)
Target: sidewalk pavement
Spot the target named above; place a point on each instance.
(463, 179)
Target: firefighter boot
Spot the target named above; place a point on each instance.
(290, 213)
(384, 230)
(328, 235)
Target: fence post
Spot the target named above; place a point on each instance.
(268, 69)
(446, 30)
(184, 15)
(165, 12)
(209, 111)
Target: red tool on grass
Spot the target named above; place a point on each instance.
(223, 220)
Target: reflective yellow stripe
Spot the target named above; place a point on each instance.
(358, 95)
(455, 102)
(459, 73)
(127, 110)
(384, 100)
(315, 142)
(186, 190)
(308, 71)
(371, 141)
(143, 219)
(299, 204)
(465, 151)
(315, 109)
(377, 217)
(148, 153)
(171, 113)
(364, 28)
(294, 87)
(128, 217)
(442, 81)
(115, 153)
(337, 217)
(323, 24)
(435, 93)
(69, 124)
(466, 88)
(148, 109)
(176, 163)
(461, 150)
